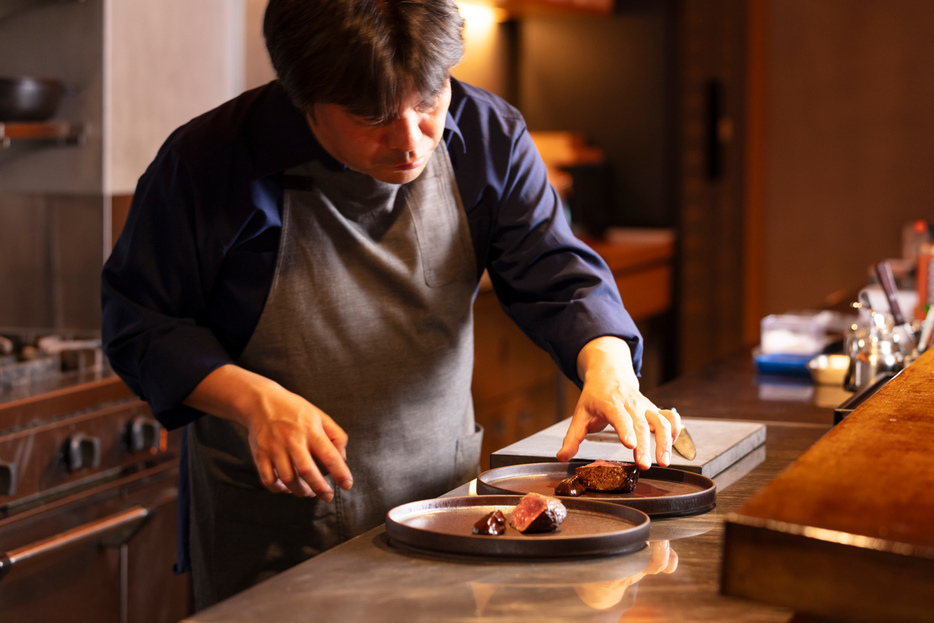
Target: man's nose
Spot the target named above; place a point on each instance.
(404, 133)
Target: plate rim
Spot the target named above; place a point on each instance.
(500, 547)
(700, 501)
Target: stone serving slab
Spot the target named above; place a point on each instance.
(720, 443)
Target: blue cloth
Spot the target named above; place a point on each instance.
(188, 278)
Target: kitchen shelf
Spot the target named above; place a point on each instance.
(548, 8)
(59, 132)
(11, 7)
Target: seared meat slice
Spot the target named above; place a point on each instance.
(538, 513)
(608, 476)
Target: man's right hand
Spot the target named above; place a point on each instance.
(286, 432)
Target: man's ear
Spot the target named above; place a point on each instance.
(310, 112)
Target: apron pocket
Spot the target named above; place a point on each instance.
(443, 234)
(467, 458)
(258, 534)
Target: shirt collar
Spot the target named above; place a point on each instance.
(453, 137)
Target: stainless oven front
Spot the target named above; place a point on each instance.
(88, 498)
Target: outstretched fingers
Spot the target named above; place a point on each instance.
(661, 427)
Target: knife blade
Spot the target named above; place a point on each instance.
(684, 444)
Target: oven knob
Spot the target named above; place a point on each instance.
(144, 434)
(7, 479)
(83, 452)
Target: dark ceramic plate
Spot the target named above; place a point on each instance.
(660, 492)
(445, 525)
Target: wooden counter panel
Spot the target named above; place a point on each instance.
(872, 474)
(834, 581)
(849, 521)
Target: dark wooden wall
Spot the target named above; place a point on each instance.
(849, 141)
(825, 138)
(609, 78)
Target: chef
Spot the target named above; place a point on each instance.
(295, 280)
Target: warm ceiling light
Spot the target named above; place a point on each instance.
(478, 16)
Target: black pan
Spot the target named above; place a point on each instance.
(29, 99)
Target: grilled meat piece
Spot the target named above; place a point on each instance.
(608, 476)
(491, 524)
(538, 513)
(571, 486)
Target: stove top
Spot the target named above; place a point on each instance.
(32, 359)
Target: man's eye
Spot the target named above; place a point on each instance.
(427, 106)
(372, 122)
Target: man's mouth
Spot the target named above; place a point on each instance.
(408, 166)
(411, 164)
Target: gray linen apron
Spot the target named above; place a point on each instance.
(370, 318)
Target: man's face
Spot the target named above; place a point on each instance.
(394, 151)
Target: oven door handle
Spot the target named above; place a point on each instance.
(126, 521)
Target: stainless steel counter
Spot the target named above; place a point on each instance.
(675, 578)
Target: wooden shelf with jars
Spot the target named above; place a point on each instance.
(12, 7)
(536, 8)
(52, 132)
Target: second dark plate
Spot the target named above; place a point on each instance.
(661, 491)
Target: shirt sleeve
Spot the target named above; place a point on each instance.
(153, 295)
(556, 288)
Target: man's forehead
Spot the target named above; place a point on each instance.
(410, 99)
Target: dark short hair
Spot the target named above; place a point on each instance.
(365, 55)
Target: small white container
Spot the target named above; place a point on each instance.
(829, 369)
(793, 334)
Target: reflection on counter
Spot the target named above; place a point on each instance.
(830, 396)
(596, 592)
(774, 387)
(792, 389)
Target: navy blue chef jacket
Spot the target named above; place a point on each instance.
(188, 278)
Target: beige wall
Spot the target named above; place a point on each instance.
(257, 68)
(165, 65)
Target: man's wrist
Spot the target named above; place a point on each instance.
(607, 354)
